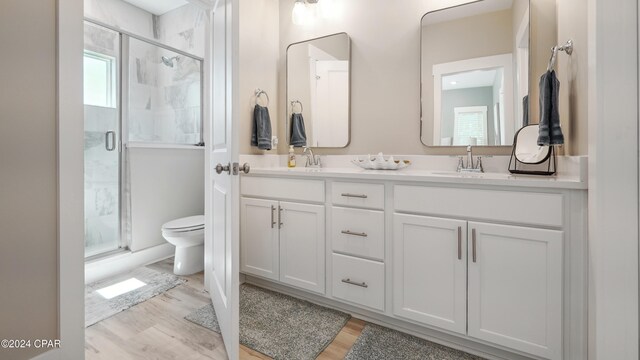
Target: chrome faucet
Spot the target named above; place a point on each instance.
(469, 167)
(312, 160)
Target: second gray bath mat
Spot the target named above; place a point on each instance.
(380, 343)
(278, 325)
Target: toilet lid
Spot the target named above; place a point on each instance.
(187, 223)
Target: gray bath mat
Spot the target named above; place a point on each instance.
(380, 343)
(98, 308)
(278, 325)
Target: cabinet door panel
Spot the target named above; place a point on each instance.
(515, 287)
(259, 238)
(430, 271)
(302, 241)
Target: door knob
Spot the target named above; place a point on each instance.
(220, 168)
(245, 168)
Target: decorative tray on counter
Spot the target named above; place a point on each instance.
(378, 162)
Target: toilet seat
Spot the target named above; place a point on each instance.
(186, 224)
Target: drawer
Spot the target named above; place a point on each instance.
(492, 205)
(369, 196)
(358, 281)
(358, 232)
(282, 188)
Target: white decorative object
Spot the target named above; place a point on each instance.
(378, 162)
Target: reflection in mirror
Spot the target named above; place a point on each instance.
(527, 150)
(527, 157)
(318, 74)
(475, 73)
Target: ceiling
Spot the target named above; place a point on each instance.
(157, 7)
(470, 79)
(470, 9)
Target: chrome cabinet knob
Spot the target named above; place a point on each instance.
(220, 168)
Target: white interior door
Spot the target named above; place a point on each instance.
(331, 120)
(222, 185)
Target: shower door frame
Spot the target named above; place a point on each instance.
(120, 76)
(123, 143)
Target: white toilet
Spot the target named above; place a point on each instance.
(187, 234)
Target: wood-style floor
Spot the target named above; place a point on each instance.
(156, 329)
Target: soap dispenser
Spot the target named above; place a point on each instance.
(292, 157)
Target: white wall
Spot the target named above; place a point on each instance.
(613, 179)
(385, 92)
(258, 64)
(166, 184)
(120, 14)
(28, 175)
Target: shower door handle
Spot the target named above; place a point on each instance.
(110, 140)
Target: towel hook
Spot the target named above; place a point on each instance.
(293, 106)
(567, 48)
(262, 92)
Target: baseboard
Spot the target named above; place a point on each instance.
(440, 337)
(117, 264)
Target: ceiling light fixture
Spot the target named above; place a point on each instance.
(304, 12)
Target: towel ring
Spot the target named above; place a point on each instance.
(262, 92)
(293, 106)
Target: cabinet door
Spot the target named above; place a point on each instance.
(515, 287)
(302, 246)
(259, 238)
(429, 271)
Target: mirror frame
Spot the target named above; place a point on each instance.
(420, 82)
(286, 100)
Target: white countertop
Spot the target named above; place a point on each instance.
(431, 176)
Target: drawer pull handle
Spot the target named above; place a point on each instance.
(280, 223)
(459, 242)
(361, 196)
(362, 284)
(473, 245)
(349, 232)
(273, 220)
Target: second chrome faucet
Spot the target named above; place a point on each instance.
(469, 166)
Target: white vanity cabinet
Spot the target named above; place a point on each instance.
(498, 269)
(283, 240)
(493, 282)
(515, 287)
(259, 238)
(302, 245)
(430, 271)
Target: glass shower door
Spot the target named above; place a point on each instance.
(102, 138)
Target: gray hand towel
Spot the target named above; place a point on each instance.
(298, 133)
(550, 130)
(525, 110)
(261, 133)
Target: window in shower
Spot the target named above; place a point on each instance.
(101, 134)
(99, 79)
(164, 96)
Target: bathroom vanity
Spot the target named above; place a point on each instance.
(489, 263)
